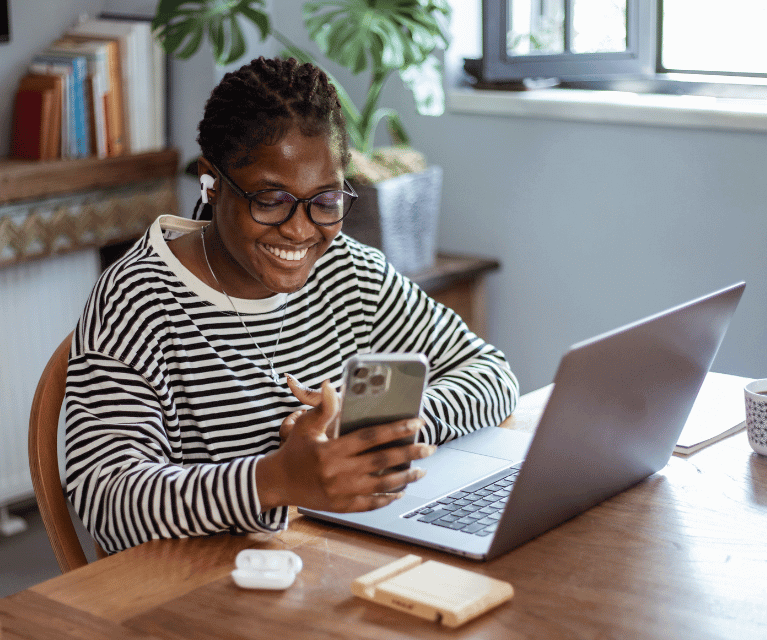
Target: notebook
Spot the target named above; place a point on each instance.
(618, 405)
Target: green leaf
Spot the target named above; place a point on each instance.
(394, 125)
(216, 35)
(236, 43)
(180, 25)
(259, 18)
(407, 31)
(425, 82)
(396, 131)
(193, 43)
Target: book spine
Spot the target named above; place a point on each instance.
(31, 115)
(80, 114)
(41, 64)
(82, 119)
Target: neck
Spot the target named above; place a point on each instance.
(218, 263)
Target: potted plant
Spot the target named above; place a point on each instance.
(400, 195)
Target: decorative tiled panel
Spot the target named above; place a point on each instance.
(32, 230)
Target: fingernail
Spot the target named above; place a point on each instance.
(295, 381)
(420, 473)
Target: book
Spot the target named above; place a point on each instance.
(78, 110)
(97, 87)
(53, 83)
(718, 412)
(31, 122)
(143, 80)
(122, 33)
(63, 71)
(115, 119)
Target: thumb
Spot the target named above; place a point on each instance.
(303, 394)
(320, 419)
(329, 408)
(330, 402)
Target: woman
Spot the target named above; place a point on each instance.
(189, 401)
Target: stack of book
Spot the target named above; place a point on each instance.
(99, 91)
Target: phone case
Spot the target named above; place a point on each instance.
(381, 388)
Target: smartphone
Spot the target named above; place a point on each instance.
(379, 388)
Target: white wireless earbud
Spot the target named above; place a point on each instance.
(206, 182)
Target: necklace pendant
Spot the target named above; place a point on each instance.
(275, 377)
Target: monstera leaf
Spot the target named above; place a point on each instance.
(380, 34)
(181, 24)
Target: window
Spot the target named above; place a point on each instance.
(588, 42)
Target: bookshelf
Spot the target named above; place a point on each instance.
(58, 206)
(34, 180)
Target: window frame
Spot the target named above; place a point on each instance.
(639, 58)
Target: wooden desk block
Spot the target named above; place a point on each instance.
(432, 590)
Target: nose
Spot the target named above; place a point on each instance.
(299, 226)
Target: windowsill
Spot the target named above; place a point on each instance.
(617, 107)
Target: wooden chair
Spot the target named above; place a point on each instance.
(44, 462)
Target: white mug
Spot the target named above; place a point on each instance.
(756, 415)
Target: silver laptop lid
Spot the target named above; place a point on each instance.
(619, 403)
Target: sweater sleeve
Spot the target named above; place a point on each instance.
(123, 477)
(470, 383)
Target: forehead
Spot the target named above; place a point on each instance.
(295, 160)
(293, 149)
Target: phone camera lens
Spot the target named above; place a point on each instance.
(378, 380)
(362, 372)
(358, 388)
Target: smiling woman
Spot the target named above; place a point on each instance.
(184, 411)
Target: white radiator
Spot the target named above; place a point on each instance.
(40, 302)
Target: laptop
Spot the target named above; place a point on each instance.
(617, 407)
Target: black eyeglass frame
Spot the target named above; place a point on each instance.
(250, 196)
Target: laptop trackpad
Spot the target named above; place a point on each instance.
(466, 459)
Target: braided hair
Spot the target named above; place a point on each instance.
(258, 103)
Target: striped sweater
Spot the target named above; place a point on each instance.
(169, 404)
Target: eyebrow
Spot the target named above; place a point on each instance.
(278, 185)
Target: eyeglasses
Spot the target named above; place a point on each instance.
(274, 207)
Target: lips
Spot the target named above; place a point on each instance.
(294, 255)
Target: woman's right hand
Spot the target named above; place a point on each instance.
(338, 474)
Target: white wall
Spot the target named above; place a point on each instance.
(596, 225)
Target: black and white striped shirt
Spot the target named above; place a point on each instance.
(170, 404)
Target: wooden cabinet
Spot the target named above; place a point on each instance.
(459, 282)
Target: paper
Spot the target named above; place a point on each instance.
(718, 412)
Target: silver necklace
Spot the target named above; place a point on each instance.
(274, 375)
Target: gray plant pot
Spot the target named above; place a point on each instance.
(400, 216)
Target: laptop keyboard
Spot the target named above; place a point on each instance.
(475, 509)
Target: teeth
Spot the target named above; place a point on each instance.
(286, 255)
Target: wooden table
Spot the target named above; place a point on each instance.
(681, 555)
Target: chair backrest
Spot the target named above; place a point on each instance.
(44, 462)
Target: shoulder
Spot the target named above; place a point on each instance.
(124, 299)
(348, 255)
